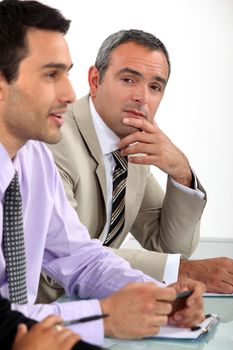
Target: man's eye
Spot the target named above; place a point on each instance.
(155, 88)
(127, 80)
(52, 75)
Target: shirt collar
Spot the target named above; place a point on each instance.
(8, 170)
(108, 143)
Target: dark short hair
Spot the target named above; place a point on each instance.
(139, 37)
(16, 18)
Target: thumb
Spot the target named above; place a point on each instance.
(21, 331)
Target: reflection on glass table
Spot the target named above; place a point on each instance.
(221, 337)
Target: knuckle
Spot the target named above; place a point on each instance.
(148, 308)
(164, 321)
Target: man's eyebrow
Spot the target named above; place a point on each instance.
(129, 70)
(161, 80)
(135, 72)
(60, 66)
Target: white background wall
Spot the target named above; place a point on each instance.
(197, 109)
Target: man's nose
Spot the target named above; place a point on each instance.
(67, 94)
(140, 94)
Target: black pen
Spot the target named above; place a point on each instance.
(83, 320)
(185, 294)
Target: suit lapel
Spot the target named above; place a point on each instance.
(131, 191)
(84, 122)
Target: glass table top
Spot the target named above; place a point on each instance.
(220, 338)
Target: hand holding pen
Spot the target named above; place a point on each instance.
(189, 310)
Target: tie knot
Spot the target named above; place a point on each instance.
(13, 190)
(121, 162)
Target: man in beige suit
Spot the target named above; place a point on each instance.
(127, 84)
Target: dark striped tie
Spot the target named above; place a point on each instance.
(13, 243)
(118, 197)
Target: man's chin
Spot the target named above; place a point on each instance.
(51, 139)
(128, 131)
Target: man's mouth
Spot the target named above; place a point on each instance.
(58, 117)
(134, 113)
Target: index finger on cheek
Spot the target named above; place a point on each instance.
(141, 123)
(131, 121)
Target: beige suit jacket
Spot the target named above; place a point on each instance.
(160, 223)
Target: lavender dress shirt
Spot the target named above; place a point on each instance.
(57, 243)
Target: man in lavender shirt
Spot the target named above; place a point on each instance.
(34, 93)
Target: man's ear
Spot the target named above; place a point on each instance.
(3, 86)
(93, 79)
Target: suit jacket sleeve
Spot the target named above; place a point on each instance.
(164, 223)
(169, 223)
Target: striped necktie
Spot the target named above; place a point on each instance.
(13, 243)
(118, 197)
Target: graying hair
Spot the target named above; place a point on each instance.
(139, 37)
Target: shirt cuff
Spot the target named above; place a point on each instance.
(193, 192)
(91, 332)
(171, 269)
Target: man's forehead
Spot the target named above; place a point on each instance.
(47, 49)
(132, 51)
(130, 56)
(45, 42)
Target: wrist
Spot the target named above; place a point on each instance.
(186, 178)
(108, 326)
(184, 269)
